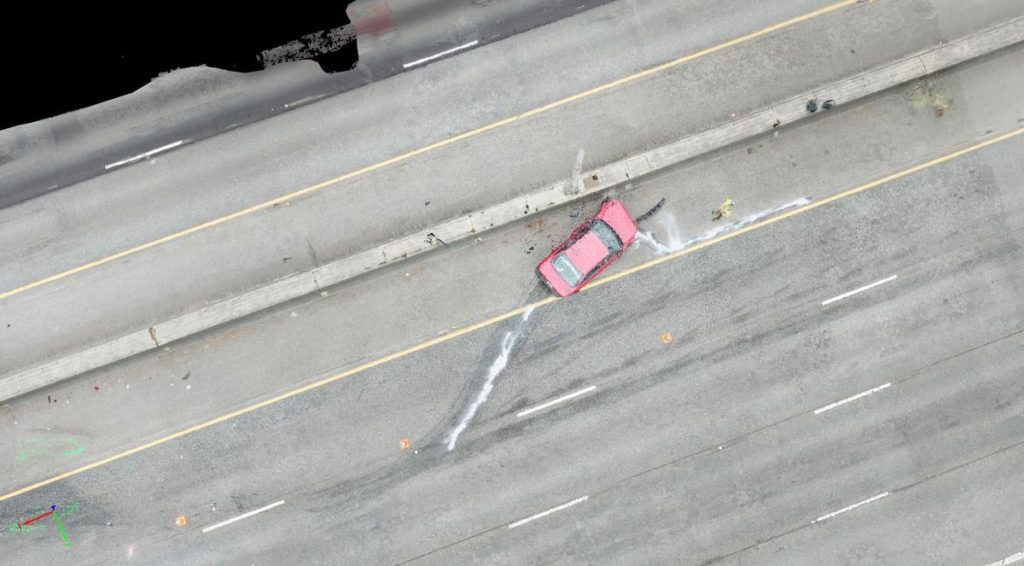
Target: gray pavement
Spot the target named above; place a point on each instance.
(754, 354)
(188, 105)
(135, 292)
(421, 300)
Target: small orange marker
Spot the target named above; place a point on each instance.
(181, 521)
(404, 443)
(666, 338)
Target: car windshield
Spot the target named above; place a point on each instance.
(566, 270)
(607, 236)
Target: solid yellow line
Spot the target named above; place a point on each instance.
(431, 147)
(309, 387)
(496, 319)
(812, 206)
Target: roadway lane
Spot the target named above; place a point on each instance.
(754, 354)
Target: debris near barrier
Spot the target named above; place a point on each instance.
(652, 211)
(724, 211)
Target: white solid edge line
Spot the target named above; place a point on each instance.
(1008, 560)
(854, 398)
(242, 516)
(858, 290)
(556, 401)
(850, 507)
(548, 512)
(441, 54)
(144, 155)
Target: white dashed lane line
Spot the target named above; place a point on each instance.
(145, 155)
(849, 508)
(853, 398)
(441, 54)
(858, 290)
(242, 516)
(553, 402)
(521, 522)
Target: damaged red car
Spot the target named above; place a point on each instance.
(591, 248)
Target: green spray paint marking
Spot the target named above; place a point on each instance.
(64, 535)
(61, 446)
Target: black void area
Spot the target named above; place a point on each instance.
(61, 59)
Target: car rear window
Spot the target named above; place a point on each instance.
(607, 236)
(566, 270)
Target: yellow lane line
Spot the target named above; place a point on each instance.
(431, 147)
(496, 319)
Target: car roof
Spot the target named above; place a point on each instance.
(586, 252)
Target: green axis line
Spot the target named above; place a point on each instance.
(64, 535)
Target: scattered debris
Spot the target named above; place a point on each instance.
(529, 250)
(926, 94)
(285, 260)
(186, 376)
(777, 124)
(426, 203)
(724, 211)
(97, 388)
(812, 105)
(433, 240)
(828, 104)
(652, 211)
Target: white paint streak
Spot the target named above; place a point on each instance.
(548, 512)
(675, 244)
(1008, 560)
(854, 506)
(141, 156)
(848, 399)
(441, 54)
(561, 399)
(496, 368)
(242, 516)
(858, 290)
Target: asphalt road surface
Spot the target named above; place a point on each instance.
(839, 385)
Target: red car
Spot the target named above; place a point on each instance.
(589, 249)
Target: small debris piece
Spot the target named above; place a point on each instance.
(724, 211)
